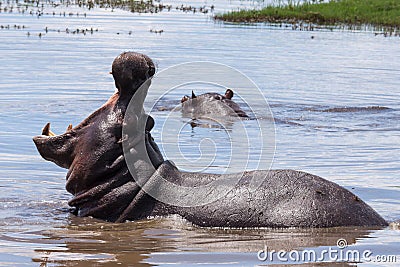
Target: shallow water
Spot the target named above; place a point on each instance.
(334, 97)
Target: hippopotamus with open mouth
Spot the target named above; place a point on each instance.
(211, 104)
(113, 179)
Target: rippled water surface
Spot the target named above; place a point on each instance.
(335, 97)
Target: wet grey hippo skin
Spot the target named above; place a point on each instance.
(102, 186)
(211, 105)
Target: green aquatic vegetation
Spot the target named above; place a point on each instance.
(352, 12)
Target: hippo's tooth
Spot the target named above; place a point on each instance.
(69, 128)
(46, 130)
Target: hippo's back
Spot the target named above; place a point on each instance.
(285, 198)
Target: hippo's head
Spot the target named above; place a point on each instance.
(210, 105)
(130, 70)
(215, 96)
(92, 151)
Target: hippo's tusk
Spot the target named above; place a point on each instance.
(69, 128)
(46, 130)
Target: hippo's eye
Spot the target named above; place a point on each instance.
(218, 97)
(185, 98)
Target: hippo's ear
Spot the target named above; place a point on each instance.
(229, 94)
(185, 98)
(193, 95)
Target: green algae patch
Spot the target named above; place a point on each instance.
(384, 13)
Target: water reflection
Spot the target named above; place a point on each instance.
(174, 241)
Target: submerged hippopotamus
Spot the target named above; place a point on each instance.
(211, 104)
(104, 180)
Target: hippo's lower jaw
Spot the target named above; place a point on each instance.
(55, 148)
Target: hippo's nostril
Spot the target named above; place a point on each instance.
(149, 123)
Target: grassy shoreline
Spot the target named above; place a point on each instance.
(381, 13)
